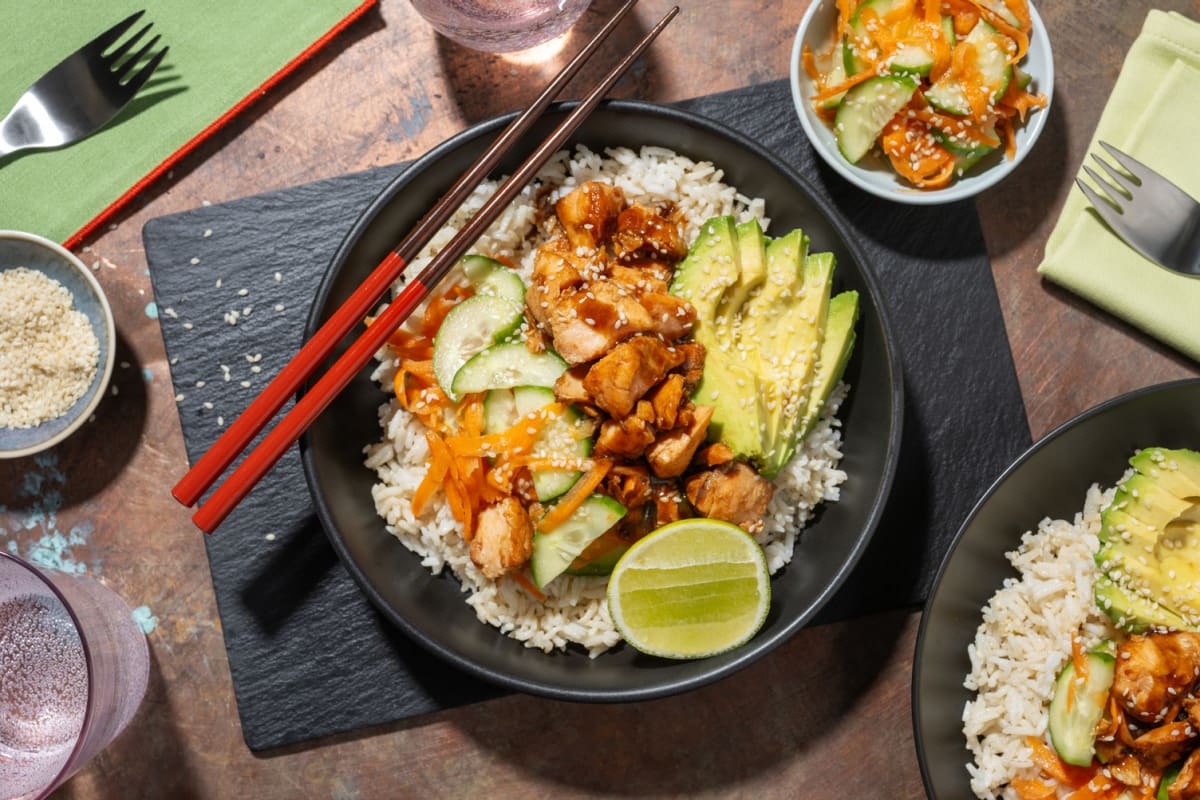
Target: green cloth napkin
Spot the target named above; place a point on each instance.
(1152, 115)
(221, 52)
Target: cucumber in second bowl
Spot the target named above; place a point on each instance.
(866, 110)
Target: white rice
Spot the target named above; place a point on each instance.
(1024, 641)
(575, 610)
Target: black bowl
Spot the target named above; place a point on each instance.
(1048, 480)
(430, 608)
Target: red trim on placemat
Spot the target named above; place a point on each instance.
(241, 105)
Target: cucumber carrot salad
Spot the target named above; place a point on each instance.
(626, 348)
(936, 84)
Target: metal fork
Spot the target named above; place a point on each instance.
(83, 93)
(1151, 214)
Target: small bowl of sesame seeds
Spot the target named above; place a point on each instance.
(56, 343)
(917, 128)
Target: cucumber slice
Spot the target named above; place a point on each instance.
(991, 58)
(602, 564)
(489, 277)
(866, 109)
(569, 435)
(965, 155)
(948, 30)
(553, 552)
(1001, 8)
(1072, 730)
(471, 326)
(910, 59)
(505, 366)
(499, 411)
(836, 75)
(1022, 77)
(858, 33)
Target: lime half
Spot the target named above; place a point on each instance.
(691, 589)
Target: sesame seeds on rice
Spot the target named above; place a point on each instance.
(575, 611)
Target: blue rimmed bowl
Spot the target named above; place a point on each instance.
(19, 249)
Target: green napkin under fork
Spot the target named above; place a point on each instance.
(223, 54)
(1151, 115)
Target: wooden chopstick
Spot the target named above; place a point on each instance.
(239, 434)
(226, 497)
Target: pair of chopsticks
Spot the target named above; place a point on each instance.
(237, 437)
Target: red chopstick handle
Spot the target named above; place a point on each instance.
(264, 407)
(307, 409)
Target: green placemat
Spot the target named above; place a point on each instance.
(223, 54)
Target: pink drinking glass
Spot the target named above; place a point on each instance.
(500, 26)
(73, 669)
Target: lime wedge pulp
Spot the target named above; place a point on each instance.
(691, 589)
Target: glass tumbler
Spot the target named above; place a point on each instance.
(500, 26)
(73, 669)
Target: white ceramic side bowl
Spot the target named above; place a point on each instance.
(18, 249)
(875, 175)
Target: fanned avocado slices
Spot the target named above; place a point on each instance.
(1150, 544)
(776, 342)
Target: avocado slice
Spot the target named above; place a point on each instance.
(798, 338)
(1150, 543)
(782, 283)
(836, 347)
(711, 269)
(1132, 612)
(752, 264)
(1177, 471)
(711, 266)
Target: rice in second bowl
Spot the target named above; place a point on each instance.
(575, 609)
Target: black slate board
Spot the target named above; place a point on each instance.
(308, 654)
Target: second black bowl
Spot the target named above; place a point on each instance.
(1049, 480)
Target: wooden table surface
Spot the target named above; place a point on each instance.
(826, 715)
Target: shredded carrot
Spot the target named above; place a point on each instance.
(1079, 662)
(914, 155)
(575, 496)
(845, 11)
(528, 585)
(516, 440)
(1045, 759)
(1020, 10)
(470, 414)
(542, 463)
(1099, 788)
(459, 501)
(419, 393)
(440, 305)
(849, 83)
(902, 10)
(1018, 101)
(965, 18)
(1033, 789)
(1008, 136)
(974, 9)
(810, 63)
(439, 465)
